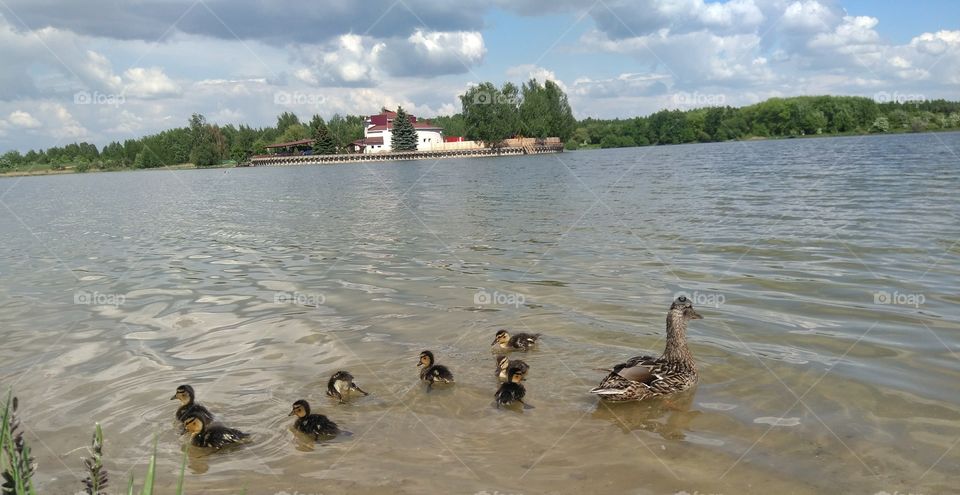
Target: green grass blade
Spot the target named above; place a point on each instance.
(6, 419)
(183, 469)
(130, 485)
(151, 471)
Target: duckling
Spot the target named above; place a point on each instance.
(340, 385)
(188, 406)
(520, 341)
(212, 436)
(503, 364)
(316, 425)
(433, 372)
(512, 390)
(674, 371)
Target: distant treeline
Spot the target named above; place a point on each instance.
(491, 114)
(200, 143)
(776, 117)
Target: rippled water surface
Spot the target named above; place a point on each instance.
(826, 270)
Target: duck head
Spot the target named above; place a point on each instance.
(502, 338)
(184, 393)
(502, 363)
(426, 359)
(300, 409)
(682, 307)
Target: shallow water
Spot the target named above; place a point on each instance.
(826, 270)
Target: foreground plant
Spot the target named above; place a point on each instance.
(96, 482)
(17, 465)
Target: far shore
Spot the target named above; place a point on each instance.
(69, 169)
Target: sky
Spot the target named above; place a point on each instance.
(105, 70)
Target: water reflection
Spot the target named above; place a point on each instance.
(669, 418)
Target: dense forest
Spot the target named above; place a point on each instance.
(773, 118)
(490, 114)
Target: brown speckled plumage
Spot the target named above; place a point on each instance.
(642, 377)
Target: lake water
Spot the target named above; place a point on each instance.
(826, 270)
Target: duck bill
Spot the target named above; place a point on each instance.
(494, 342)
(292, 413)
(173, 398)
(694, 315)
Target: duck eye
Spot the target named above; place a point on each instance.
(682, 298)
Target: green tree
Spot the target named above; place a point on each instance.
(146, 158)
(11, 159)
(293, 132)
(207, 142)
(545, 111)
(323, 142)
(404, 135)
(285, 120)
(489, 116)
(345, 130)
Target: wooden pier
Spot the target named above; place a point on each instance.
(262, 161)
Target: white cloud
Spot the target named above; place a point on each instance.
(851, 31)
(937, 43)
(61, 122)
(624, 85)
(432, 53)
(809, 16)
(23, 119)
(149, 82)
(525, 72)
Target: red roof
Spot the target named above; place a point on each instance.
(301, 142)
(389, 125)
(368, 141)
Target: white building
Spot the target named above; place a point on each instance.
(378, 134)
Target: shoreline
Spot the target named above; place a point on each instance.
(382, 157)
(273, 161)
(70, 170)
